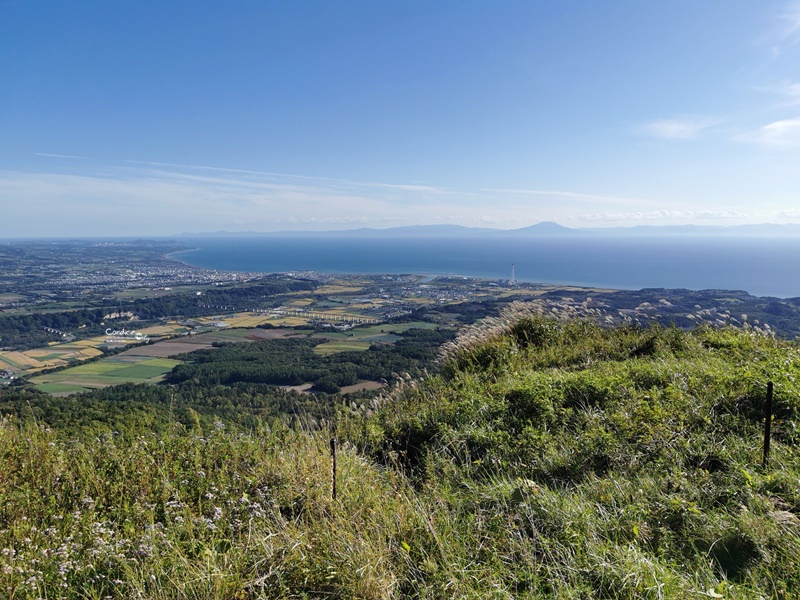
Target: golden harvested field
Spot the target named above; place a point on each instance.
(248, 319)
(84, 343)
(362, 305)
(420, 300)
(20, 361)
(168, 329)
(333, 288)
(520, 292)
(289, 321)
(32, 361)
(300, 302)
(39, 353)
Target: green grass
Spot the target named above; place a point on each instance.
(548, 459)
(617, 463)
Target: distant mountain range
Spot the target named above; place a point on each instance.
(543, 229)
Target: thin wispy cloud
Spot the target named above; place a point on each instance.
(70, 156)
(166, 202)
(323, 191)
(497, 220)
(783, 32)
(791, 93)
(349, 182)
(663, 215)
(679, 128)
(599, 198)
(787, 91)
(782, 134)
(348, 220)
(790, 22)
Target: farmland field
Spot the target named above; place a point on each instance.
(330, 309)
(141, 364)
(332, 288)
(342, 346)
(104, 373)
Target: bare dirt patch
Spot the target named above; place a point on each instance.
(365, 385)
(186, 343)
(169, 348)
(305, 388)
(269, 334)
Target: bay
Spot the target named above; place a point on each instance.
(758, 265)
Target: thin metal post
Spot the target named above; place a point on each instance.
(767, 423)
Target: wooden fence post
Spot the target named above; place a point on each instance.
(767, 423)
(333, 469)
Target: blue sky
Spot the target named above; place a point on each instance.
(156, 117)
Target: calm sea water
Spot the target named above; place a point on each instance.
(763, 267)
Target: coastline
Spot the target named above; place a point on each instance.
(767, 269)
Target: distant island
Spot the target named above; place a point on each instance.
(545, 228)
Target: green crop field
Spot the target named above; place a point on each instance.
(394, 327)
(102, 374)
(6, 364)
(61, 388)
(51, 356)
(95, 368)
(387, 338)
(139, 372)
(342, 346)
(166, 363)
(9, 361)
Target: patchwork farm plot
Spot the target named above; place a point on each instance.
(110, 371)
(33, 361)
(363, 337)
(339, 304)
(58, 355)
(143, 364)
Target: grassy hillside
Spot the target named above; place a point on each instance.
(549, 459)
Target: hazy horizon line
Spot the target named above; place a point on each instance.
(453, 226)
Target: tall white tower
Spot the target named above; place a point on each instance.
(513, 280)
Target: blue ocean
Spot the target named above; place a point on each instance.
(760, 266)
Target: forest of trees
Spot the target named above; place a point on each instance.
(293, 362)
(130, 408)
